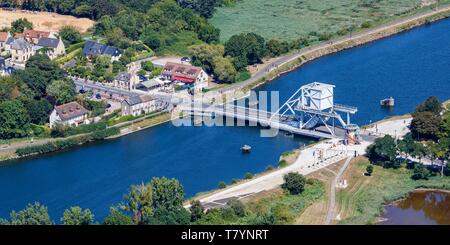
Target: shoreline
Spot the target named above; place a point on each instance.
(308, 54)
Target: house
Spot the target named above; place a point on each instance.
(3, 38)
(71, 114)
(53, 47)
(126, 80)
(92, 49)
(138, 105)
(32, 36)
(186, 74)
(2, 66)
(21, 51)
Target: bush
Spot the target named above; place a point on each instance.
(420, 172)
(294, 183)
(269, 168)
(248, 175)
(282, 163)
(237, 207)
(222, 185)
(369, 170)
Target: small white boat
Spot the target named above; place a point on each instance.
(246, 148)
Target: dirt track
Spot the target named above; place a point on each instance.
(45, 21)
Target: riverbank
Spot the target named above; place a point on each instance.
(362, 201)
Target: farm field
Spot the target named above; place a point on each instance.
(292, 19)
(45, 21)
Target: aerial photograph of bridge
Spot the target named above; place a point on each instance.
(224, 112)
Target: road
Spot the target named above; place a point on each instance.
(351, 37)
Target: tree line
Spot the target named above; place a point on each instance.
(159, 202)
(429, 138)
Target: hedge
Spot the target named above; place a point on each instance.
(67, 143)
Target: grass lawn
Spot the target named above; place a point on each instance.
(291, 19)
(362, 201)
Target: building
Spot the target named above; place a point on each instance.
(92, 49)
(32, 36)
(53, 47)
(2, 66)
(3, 38)
(138, 105)
(71, 114)
(126, 80)
(186, 74)
(21, 51)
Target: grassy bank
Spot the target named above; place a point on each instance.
(282, 207)
(362, 201)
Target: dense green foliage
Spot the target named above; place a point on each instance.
(429, 138)
(70, 35)
(77, 216)
(294, 183)
(57, 145)
(32, 214)
(20, 25)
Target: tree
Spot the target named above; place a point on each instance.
(18, 26)
(116, 217)
(8, 88)
(224, 70)
(14, 119)
(276, 48)
(162, 216)
(32, 214)
(420, 172)
(203, 55)
(62, 90)
(263, 219)
(431, 104)
(197, 210)
(237, 207)
(167, 193)
(294, 183)
(369, 170)
(38, 109)
(70, 35)
(204, 7)
(147, 66)
(222, 185)
(139, 202)
(425, 125)
(248, 175)
(383, 151)
(77, 216)
(249, 46)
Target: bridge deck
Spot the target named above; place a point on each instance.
(255, 116)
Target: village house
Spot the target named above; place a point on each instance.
(21, 51)
(3, 38)
(53, 47)
(126, 80)
(138, 105)
(32, 36)
(71, 114)
(186, 74)
(92, 49)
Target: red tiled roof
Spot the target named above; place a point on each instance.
(33, 34)
(3, 36)
(177, 71)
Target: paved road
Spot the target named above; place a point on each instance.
(332, 205)
(292, 56)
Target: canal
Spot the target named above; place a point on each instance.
(409, 66)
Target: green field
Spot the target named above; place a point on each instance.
(291, 19)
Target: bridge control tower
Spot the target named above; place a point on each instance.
(312, 106)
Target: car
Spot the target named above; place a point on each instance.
(108, 105)
(82, 91)
(143, 78)
(98, 96)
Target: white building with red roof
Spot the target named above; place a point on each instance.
(186, 74)
(32, 36)
(71, 114)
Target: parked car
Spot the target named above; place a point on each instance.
(98, 96)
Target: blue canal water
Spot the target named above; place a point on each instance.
(409, 66)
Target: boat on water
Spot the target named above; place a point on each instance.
(246, 148)
(389, 102)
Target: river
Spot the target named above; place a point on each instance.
(409, 66)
